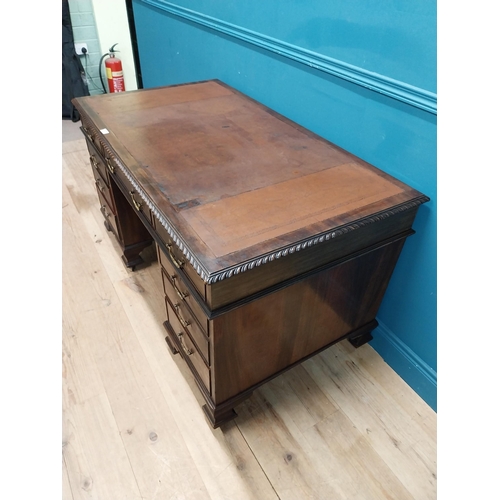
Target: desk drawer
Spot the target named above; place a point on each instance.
(176, 259)
(92, 141)
(190, 352)
(103, 188)
(177, 281)
(108, 213)
(128, 190)
(186, 318)
(97, 162)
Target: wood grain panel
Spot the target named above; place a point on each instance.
(265, 336)
(237, 222)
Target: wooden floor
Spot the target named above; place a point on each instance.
(342, 425)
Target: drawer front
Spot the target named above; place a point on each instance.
(190, 351)
(103, 188)
(91, 138)
(186, 318)
(177, 260)
(108, 214)
(97, 162)
(128, 190)
(182, 292)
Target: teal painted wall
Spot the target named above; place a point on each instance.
(361, 74)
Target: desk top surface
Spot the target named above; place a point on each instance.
(235, 181)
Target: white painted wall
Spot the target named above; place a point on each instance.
(112, 27)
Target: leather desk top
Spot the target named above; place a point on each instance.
(234, 181)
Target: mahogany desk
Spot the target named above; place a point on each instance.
(273, 243)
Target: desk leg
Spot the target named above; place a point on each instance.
(218, 417)
(361, 338)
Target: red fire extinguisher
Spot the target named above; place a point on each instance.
(114, 71)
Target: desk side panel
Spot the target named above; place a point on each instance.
(258, 340)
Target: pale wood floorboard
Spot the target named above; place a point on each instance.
(342, 425)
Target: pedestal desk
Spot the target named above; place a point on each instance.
(273, 243)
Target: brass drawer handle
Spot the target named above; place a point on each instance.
(99, 186)
(88, 134)
(184, 323)
(182, 295)
(177, 263)
(184, 346)
(136, 204)
(93, 162)
(110, 166)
